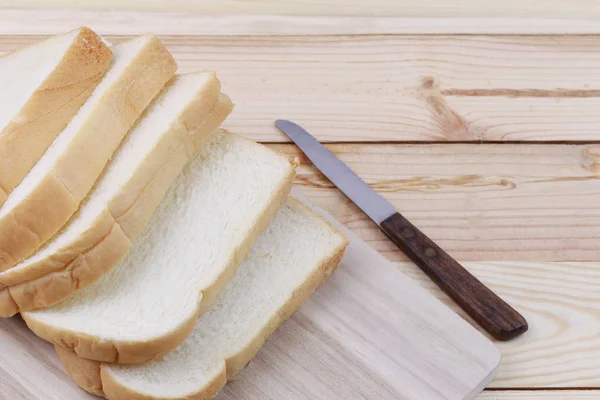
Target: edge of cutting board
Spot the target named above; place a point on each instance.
(484, 383)
(467, 343)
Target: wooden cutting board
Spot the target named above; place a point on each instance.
(368, 333)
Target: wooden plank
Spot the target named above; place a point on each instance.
(29, 367)
(560, 300)
(339, 347)
(396, 88)
(529, 119)
(562, 348)
(418, 88)
(562, 305)
(480, 202)
(234, 21)
(34, 372)
(429, 8)
(49, 21)
(541, 395)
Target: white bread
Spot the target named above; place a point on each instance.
(125, 196)
(52, 190)
(296, 253)
(43, 86)
(148, 304)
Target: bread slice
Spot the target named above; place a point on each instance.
(51, 192)
(126, 195)
(148, 304)
(296, 253)
(43, 86)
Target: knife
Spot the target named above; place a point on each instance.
(492, 313)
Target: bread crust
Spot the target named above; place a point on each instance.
(51, 106)
(101, 247)
(99, 379)
(81, 272)
(8, 306)
(128, 352)
(85, 373)
(137, 200)
(56, 198)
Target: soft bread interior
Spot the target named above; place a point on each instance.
(123, 55)
(23, 71)
(192, 242)
(134, 156)
(294, 254)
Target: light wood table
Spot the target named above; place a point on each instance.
(390, 83)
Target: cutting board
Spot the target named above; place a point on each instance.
(368, 333)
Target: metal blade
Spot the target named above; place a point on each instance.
(375, 206)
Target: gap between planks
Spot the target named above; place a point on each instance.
(401, 88)
(578, 338)
(562, 347)
(479, 202)
(219, 19)
(425, 8)
(35, 372)
(540, 395)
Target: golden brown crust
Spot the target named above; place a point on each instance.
(84, 372)
(78, 265)
(114, 390)
(64, 257)
(51, 107)
(91, 348)
(80, 262)
(134, 218)
(303, 292)
(34, 219)
(211, 293)
(85, 269)
(51, 203)
(135, 205)
(8, 307)
(138, 85)
(125, 352)
(138, 200)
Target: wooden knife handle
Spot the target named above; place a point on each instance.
(484, 306)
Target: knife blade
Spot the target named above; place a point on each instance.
(491, 312)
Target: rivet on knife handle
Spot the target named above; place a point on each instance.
(484, 306)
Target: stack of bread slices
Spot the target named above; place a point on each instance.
(156, 252)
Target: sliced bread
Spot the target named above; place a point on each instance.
(52, 190)
(148, 304)
(295, 254)
(43, 86)
(125, 196)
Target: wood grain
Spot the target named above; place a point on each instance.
(396, 88)
(478, 202)
(541, 395)
(29, 367)
(30, 370)
(561, 302)
(431, 8)
(354, 77)
(485, 307)
(227, 22)
(51, 21)
(562, 348)
(329, 349)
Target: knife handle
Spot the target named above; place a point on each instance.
(491, 312)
